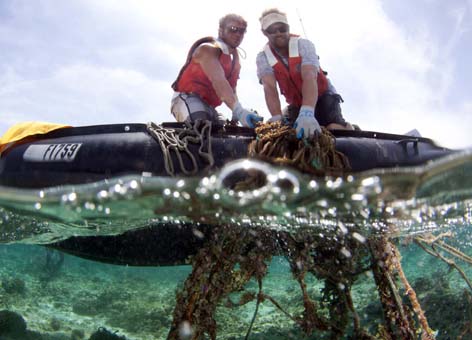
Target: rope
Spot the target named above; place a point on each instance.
(278, 144)
(172, 141)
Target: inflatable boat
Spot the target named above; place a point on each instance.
(77, 155)
(87, 154)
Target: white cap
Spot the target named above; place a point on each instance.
(273, 18)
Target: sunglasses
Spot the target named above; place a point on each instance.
(235, 29)
(273, 30)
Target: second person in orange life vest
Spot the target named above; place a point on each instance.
(292, 63)
(210, 75)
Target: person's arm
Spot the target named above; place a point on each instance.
(309, 85)
(208, 57)
(306, 124)
(271, 95)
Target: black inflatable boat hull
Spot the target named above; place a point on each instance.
(89, 154)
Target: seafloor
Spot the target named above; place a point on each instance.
(70, 299)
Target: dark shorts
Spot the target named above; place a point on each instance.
(327, 111)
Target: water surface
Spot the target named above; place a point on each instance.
(67, 297)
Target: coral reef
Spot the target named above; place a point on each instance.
(13, 327)
(14, 285)
(104, 334)
(11, 323)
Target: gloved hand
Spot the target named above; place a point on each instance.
(275, 118)
(245, 117)
(306, 124)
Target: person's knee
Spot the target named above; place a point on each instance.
(337, 126)
(349, 126)
(179, 109)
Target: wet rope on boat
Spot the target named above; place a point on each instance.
(176, 142)
(277, 143)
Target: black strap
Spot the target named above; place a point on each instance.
(189, 58)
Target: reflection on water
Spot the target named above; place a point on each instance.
(411, 206)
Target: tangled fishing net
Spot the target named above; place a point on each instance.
(278, 144)
(235, 255)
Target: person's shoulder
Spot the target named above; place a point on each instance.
(203, 43)
(260, 54)
(305, 42)
(263, 51)
(308, 52)
(306, 47)
(207, 50)
(209, 46)
(261, 58)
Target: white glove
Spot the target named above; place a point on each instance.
(245, 117)
(275, 118)
(306, 124)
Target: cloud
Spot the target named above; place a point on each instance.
(83, 94)
(392, 78)
(96, 62)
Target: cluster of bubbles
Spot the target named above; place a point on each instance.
(395, 200)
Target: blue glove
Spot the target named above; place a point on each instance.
(306, 124)
(245, 117)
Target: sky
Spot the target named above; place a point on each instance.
(399, 64)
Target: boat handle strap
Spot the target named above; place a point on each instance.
(404, 143)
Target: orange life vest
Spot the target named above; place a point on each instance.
(192, 78)
(290, 78)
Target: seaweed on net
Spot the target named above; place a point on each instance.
(325, 258)
(399, 322)
(278, 144)
(337, 261)
(214, 276)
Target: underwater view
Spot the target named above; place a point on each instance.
(252, 251)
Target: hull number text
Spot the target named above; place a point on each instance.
(61, 152)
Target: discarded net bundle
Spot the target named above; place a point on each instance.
(234, 255)
(277, 143)
(214, 275)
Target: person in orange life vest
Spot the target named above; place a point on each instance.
(210, 75)
(292, 63)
